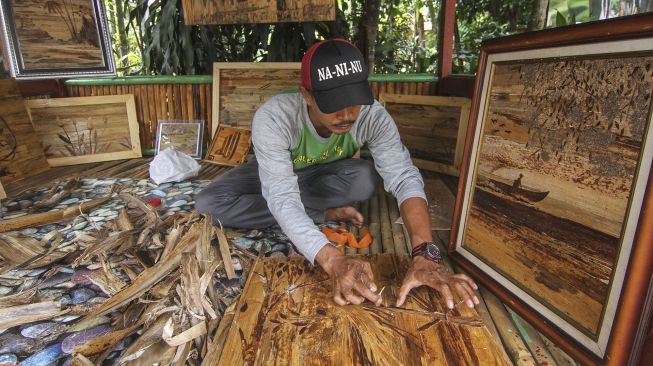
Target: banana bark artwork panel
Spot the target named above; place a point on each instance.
(50, 38)
(86, 129)
(286, 315)
(559, 164)
(257, 11)
(239, 88)
(431, 127)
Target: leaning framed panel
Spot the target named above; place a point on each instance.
(184, 136)
(55, 39)
(239, 88)
(553, 211)
(84, 130)
(432, 128)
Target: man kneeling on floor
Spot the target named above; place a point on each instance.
(304, 174)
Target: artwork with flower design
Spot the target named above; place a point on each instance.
(86, 128)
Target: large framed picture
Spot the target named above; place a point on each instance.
(553, 208)
(55, 39)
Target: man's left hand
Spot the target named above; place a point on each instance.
(435, 275)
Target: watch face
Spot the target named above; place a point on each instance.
(433, 251)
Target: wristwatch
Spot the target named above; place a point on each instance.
(429, 251)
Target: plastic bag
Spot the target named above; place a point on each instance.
(172, 166)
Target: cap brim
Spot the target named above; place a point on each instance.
(333, 100)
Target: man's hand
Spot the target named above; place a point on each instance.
(353, 281)
(435, 275)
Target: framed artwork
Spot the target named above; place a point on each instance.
(84, 130)
(55, 39)
(432, 128)
(239, 88)
(551, 211)
(230, 146)
(184, 136)
(257, 11)
(20, 152)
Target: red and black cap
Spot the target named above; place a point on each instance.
(335, 74)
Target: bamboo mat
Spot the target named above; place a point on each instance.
(522, 344)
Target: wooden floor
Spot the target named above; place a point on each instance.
(521, 342)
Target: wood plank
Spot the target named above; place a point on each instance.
(397, 229)
(562, 359)
(512, 341)
(365, 211)
(375, 226)
(387, 240)
(285, 315)
(533, 341)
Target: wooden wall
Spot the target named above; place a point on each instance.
(193, 101)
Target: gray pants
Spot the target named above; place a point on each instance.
(235, 198)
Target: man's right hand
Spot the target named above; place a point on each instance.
(353, 281)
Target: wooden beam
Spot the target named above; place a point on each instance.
(446, 38)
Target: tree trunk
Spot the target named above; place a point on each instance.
(538, 16)
(369, 31)
(123, 44)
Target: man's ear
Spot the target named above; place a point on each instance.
(307, 96)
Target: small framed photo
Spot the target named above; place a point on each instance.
(55, 39)
(184, 136)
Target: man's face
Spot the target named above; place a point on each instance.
(339, 122)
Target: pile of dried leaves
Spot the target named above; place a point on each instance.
(139, 290)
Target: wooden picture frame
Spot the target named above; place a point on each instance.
(239, 88)
(230, 146)
(255, 11)
(184, 136)
(431, 127)
(553, 211)
(86, 129)
(56, 39)
(21, 154)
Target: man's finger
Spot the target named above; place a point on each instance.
(467, 279)
(353, 298)
(337, 296)
(446, 294)
(465, 293)
(364, 290)
(408, 285)
(367, 278)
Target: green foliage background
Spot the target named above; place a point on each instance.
(150, 37)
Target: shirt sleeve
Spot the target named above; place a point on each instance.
(391, 158)
(279, 185)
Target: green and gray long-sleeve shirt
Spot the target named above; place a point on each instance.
(284, 140)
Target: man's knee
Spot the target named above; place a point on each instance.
(364, 180)
(213, 202)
